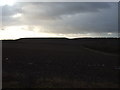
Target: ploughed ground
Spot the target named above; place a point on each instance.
(61, 63)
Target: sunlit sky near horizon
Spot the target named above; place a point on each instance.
(58, 19)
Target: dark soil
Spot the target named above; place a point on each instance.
(63, 63)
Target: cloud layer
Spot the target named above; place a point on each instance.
(63, 17)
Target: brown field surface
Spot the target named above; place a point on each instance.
(61, 63)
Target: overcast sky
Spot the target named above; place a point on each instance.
(65, 19)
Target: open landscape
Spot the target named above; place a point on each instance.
(60, 63)
(60, 44)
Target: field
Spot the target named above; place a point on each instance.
(61, 63)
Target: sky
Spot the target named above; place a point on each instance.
(59, 19)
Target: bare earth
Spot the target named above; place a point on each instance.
(61, 63)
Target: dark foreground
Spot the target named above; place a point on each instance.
(61, 63)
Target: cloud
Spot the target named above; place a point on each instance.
(51, 11)
(64, 17)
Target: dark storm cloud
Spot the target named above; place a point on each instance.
(64, 17)
(56, 10)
